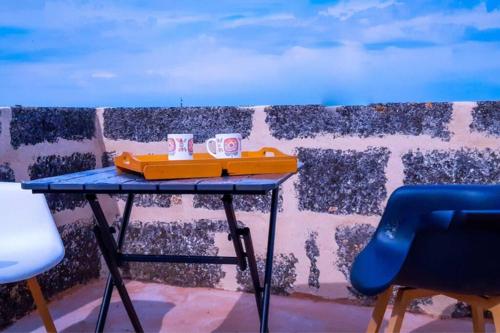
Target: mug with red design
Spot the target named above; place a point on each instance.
(180, 146)
(225, 146)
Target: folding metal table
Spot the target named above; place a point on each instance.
(109, 181)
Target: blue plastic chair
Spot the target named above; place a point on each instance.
(434, 239)
(29, 242)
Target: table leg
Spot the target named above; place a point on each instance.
(108, 291)
(227, 200)
(254, 272)
(269, 262)
(236, 233)
(109, 250)
(249, 253)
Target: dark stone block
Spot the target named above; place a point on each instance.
(81, 261)
(54, 165)
(107, 158)
(351, 239)
(416, 304)
(312, 252)
(461, 310)
(150, 200)
(306, 121)
(175, 238)
(469, 166)
(6, 173)
(80, 264)
(283, 277)
(300, 121)
(342, 181)
(154, 124)
(155, 200)
(32, 125)
(15, 302)
(246, 203)
(486, 118)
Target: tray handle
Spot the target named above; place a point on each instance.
(127, 161)
(127, 158)
(264, 150)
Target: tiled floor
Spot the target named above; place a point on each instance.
(171, 309)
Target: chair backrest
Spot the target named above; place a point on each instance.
(457, 259)
(22, 211)
(432, 235)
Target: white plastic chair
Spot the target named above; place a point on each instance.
(29, 242)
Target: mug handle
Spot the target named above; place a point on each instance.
(208, 147)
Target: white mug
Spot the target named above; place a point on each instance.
(180, 146)
(225, 145)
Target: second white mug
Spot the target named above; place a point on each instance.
(225, 145)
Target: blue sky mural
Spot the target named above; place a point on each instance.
(153, 53)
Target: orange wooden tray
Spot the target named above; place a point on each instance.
(205, 165)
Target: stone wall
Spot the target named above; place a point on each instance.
(354, 157)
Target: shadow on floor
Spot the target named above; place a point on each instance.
(206, 310)
(305, 314)
(76, 316)
(311, 314)
(151, 314)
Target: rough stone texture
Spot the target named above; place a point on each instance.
(154, 124)
(81, 260)
(470, 166)
(351, 239)
(32, 125)
(15, 302)
(54, 165)
(6, 173)
(150, 200)
(246, 203)
(342, 181)
(175, 238)
(312, 252)
(461, 310)
(80, 264)
(486, 118)
(283, 277)
(107, 158)
(305, 121)
(416, 305)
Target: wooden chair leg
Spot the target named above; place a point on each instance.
(477, 319)
(398, 311)
(495, 312)
(379, 311)
(41, 305)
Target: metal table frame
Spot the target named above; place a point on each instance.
(107, 181)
